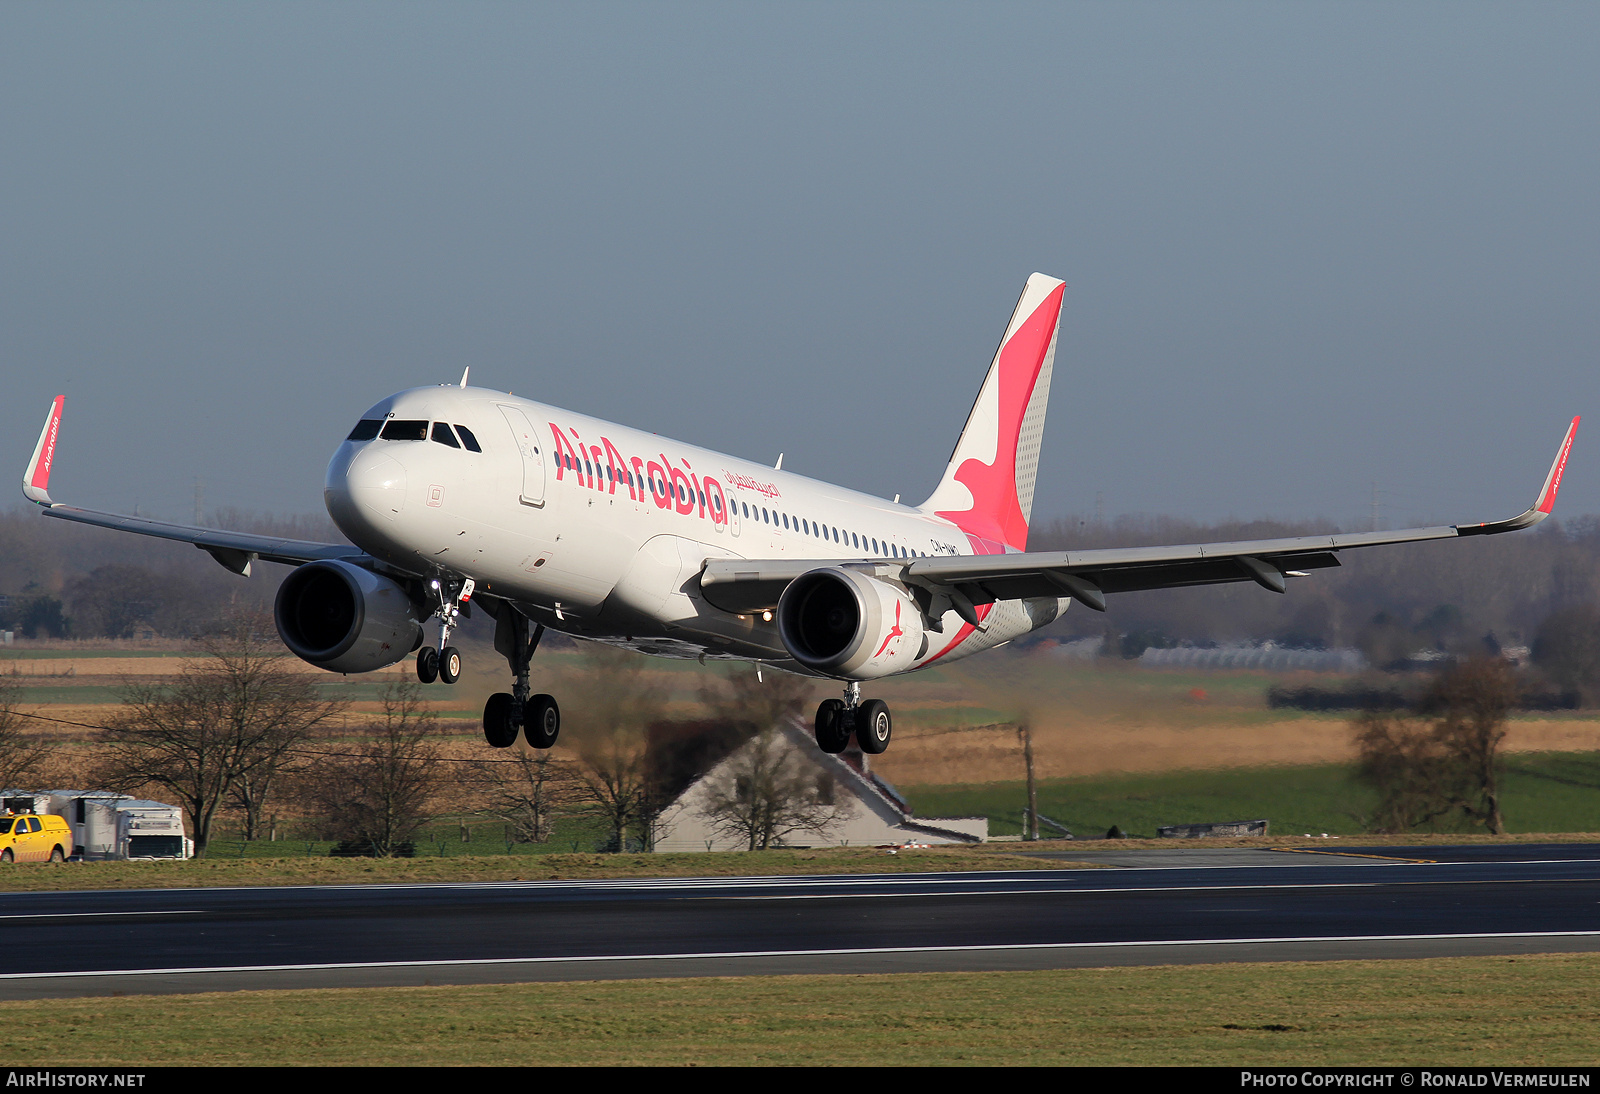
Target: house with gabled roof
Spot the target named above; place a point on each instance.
(870, 812)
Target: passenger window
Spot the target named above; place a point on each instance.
(366, 429)
(442, 434)
(403, 429)
(469, 440)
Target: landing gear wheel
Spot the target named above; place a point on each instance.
(873, 726)
(833, 726)
(542, 725)
(427, 664)
(449, 665)
(499, 720)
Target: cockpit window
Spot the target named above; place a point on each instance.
(366, 429)
(442, 434)
(468, 439)
(402, 429)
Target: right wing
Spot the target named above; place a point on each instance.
(234, 550)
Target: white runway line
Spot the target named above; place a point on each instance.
(458, 962)
(97, 915)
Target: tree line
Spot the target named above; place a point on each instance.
(73, 581)
(242, 734)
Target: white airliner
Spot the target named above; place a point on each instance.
(547, 518)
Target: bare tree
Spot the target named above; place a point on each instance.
(526, 790)
(616, 699)
(1567, 649)
(1403, 760)
(23, 755)
(1443, 756)
(767, 792)
(755, 701)
(380, 790)
(1471, 704)
(234, 715)
(615, 786)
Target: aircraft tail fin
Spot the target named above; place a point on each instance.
(987, 489)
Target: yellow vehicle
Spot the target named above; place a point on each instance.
(31, 838)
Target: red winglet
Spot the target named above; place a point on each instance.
(36, 480)
(1547, 496)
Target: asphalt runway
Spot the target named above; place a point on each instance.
(1158, 907)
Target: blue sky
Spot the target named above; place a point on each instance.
(1310, 248)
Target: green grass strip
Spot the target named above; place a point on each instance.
(1533, 1010)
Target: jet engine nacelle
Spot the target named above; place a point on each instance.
(843, 623)
(343, 618)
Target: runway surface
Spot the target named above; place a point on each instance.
(1156, 907)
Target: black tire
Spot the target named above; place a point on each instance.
(832, 726)
(873, 726)
(427, 664)
(7, 856)
(57, 854)
(449, 665)
(499, 720)
(543, 722)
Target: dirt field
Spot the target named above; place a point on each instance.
(1088, 719)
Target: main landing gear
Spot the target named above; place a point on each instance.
(444, 662)
(838, 719)
(537, 717)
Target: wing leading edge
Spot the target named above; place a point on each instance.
(1088, 576)
(234, 550)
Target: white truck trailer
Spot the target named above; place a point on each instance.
(109, 826)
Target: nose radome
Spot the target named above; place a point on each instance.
(368, 494)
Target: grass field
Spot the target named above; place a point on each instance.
(1543, 792)
(1538, 1010)
(224, 871)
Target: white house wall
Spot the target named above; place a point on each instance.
(871, 818)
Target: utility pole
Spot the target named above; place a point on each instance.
(1025, 732)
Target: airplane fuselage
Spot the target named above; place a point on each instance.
(600, 530)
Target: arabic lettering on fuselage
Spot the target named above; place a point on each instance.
(603, 467)
(745, 482)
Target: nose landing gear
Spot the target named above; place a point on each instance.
(444, 663)
(839, 719)
(537, 717)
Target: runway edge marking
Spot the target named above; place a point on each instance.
(844, 952)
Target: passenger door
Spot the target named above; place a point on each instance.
(532, 452)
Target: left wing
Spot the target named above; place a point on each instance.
(234, 550)
(1088, 576)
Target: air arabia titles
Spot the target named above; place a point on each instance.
(603, 467)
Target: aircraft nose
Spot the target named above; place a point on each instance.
(367, 492)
